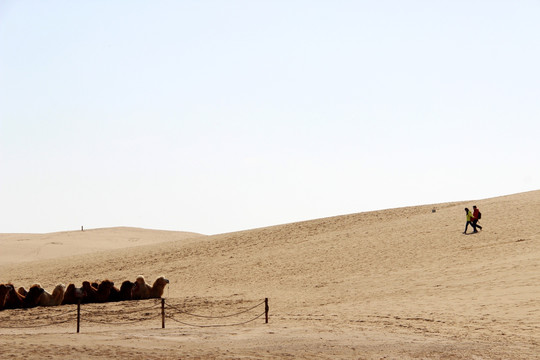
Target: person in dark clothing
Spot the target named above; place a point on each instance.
(475, 218)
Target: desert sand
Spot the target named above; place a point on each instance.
(402, 283)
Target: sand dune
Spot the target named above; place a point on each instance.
(398, 284)
(31, 247)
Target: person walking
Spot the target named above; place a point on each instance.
(476, 216)
(469, 216)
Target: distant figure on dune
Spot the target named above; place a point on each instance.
(477, 215)
(469, 217)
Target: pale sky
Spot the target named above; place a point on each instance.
(219, 116)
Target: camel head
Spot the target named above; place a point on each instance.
(158, 287)
(160, 281)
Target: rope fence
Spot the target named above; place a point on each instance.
(97, 314)
(215, 325)
(213, 317)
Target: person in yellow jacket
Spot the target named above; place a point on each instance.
(470, 217)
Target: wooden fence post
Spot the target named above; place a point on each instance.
(163, 313)
(78, 315)
(266, 308)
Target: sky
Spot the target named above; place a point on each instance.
(220, 116)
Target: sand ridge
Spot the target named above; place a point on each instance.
(32, 247)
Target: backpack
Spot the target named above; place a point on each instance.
(479, 215)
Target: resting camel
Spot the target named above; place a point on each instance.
(15, 300)
(104, 290)
(124, 293)
(114, 294)
(91, 293)
(73, 295)
(4, 289)
(54, 299)
(22, 291)
(142, 290)
(126, 290)
(158, 287)
(32, 298)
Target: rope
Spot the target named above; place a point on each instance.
(213, 317)
(69, 312)
(36, 326)
(102, 312)
(47, 317)
(223, 325)
(101, 305)
(120, 323)
(99, 311)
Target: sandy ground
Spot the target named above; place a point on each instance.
(396, 284)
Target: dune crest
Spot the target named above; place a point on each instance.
(32, 247)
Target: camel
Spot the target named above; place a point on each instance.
(126, 290)
(54, 299)
(32, 298)
(104, 290)
(15, 300)
(4, 289)
(114, 294)
(124, 293)
(158, 287)
(91, 293)
(73, 295)
(142, 290)
(22, 291)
